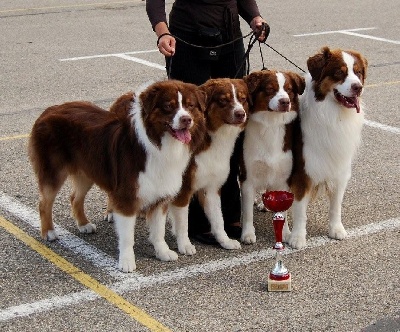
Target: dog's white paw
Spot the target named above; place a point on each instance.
(297, 240)
(167, 255)
(338, 232)
(51, 235)
(230, 244)
(261, 207)
(88, 228)
(126, 262)
(248, 238)
(187, 248)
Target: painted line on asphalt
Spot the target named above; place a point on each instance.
(66, 239)
(86, 280)
(350, 32)
(134, 283)
(66, 6)
(381, 126)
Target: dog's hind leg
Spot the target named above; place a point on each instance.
(156, 219)
(336, 228)
(81, 185)
(48, 193)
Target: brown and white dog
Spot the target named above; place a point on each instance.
(267, 147)
(137, 160)
(331, 119)
(226, 116)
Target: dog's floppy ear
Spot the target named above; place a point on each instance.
(298, 82)
(317, 62)
(253, 80)
(202, 99)
(208, 88)
(148, 98)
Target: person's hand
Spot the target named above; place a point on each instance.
(256, 25)
(166, 45)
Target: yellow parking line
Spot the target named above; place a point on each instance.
(66, 6)
(6, 138)
(136, 313)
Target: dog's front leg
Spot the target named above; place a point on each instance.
(156, 220)
(179, 216)
(336, 228)
(248, 230)
(299, 214)
(212, 209)
(125, 228)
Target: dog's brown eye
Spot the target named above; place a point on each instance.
(168, 107)
(190, 106)
(242, 100)
(339, 73)
(222, 101)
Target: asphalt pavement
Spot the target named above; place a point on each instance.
(53, 51)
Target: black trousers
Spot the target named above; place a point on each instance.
(190, 65)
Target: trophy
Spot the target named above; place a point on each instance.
(279, 279)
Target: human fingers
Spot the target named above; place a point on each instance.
(166, 45)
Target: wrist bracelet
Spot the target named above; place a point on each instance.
(162, 35)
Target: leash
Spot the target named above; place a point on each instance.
(281, 56)
(246, 58)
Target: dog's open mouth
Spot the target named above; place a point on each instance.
(182, 135)
(349, 102)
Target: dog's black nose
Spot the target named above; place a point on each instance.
(239, 115)
(185, 120)
(356, 88)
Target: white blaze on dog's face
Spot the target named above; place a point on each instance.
(280, 102)
(181, 122)
(339, 75)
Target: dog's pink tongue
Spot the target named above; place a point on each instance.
(183, 135)
(357, 104)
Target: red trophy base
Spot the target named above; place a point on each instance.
(279, 284)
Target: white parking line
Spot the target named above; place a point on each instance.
(381, 126)
(125, 56)
(135, 282)
(351, 33)
(67, 240)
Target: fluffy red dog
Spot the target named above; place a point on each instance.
(226, 116)
(267, 146)
(138, 160)
(331, 119)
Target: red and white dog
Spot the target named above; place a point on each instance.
(226, 116)
(267, 147)
(137, 160)
(331, 119)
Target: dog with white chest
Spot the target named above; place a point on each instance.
(267, 147)
(138, 159)
(329, 134)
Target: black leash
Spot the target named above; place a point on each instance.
(281, 56)
(246, 59)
